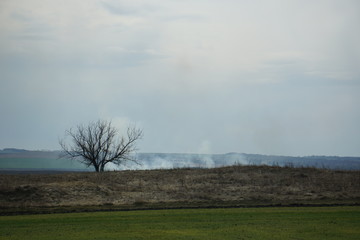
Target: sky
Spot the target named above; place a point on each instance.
(262, 76)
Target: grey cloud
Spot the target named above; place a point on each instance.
(118, 10)
(128, 8)
(240, 78)
(21, 17)
(33, 37)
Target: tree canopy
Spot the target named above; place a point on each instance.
(99, 143)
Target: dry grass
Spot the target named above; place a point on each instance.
(235, 185)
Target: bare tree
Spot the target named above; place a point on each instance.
(99, 143)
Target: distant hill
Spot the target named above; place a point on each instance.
(13, 150)
(12, 159)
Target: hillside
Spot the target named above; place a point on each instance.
(190, 187)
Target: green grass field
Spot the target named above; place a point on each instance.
(38, 163)
(230, 223)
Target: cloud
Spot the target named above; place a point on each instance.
(129, 7)
(256, 76)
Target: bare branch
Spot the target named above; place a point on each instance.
(99, 143)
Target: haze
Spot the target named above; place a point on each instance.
(267, 77)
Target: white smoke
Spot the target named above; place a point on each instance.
(176, 160)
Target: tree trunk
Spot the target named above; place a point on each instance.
(102, 167)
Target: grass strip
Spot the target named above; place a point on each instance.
(220, 223)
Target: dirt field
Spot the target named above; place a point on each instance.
(227, 186)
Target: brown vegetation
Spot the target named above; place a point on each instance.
(227, 186)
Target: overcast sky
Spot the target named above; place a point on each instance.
(200, 76)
